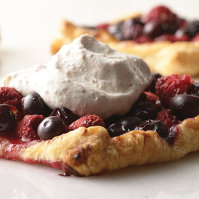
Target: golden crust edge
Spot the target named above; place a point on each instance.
(90, 151)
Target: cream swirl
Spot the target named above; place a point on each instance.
(87, 77)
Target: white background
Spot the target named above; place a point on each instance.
(27, 27)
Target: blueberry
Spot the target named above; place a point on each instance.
(192, 28)
(115, 30)
(132, 32)
(151, 87)
(126, 30)
(145, 110)
(123, 125)
(131, 28)
(184, 106)
(156, 28)
(154, 125)
(50, 127)
(194, 89)
(111, 120)
(65, 114)
(153, 29)
(130, 22)
(34, 104)
(7, 119)
(170, 138)
(158, 126)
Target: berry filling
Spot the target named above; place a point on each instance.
(160, 108)
(159, 24)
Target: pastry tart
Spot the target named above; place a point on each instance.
(91, 150)
(168, 43)
(80, 137)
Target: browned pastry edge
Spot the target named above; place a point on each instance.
(91, 151)
(162, 57)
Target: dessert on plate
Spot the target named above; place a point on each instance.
(92, 110)
(167, 42)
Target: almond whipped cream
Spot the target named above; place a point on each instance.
(87, 77)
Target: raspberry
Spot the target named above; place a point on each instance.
(151, 97)
(167, 118)
(27, 128)
(103, 26)
(10, 96)
(87, 121)
(169, 86)
(160, 13)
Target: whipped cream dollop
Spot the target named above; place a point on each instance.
(87, 77)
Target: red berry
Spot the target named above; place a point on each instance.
(151, 97)
(10, 96)
(167, 118)
(27, 128)
(87, 121)
(169, 86)
(103, 26)
(160, 13)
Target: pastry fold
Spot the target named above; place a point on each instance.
(91, 151)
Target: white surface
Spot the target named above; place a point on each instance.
(27, 28)
(173, 180)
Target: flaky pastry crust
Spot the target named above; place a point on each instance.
(91, 151)
(163, 57)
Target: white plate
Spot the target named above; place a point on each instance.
(173, 180)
